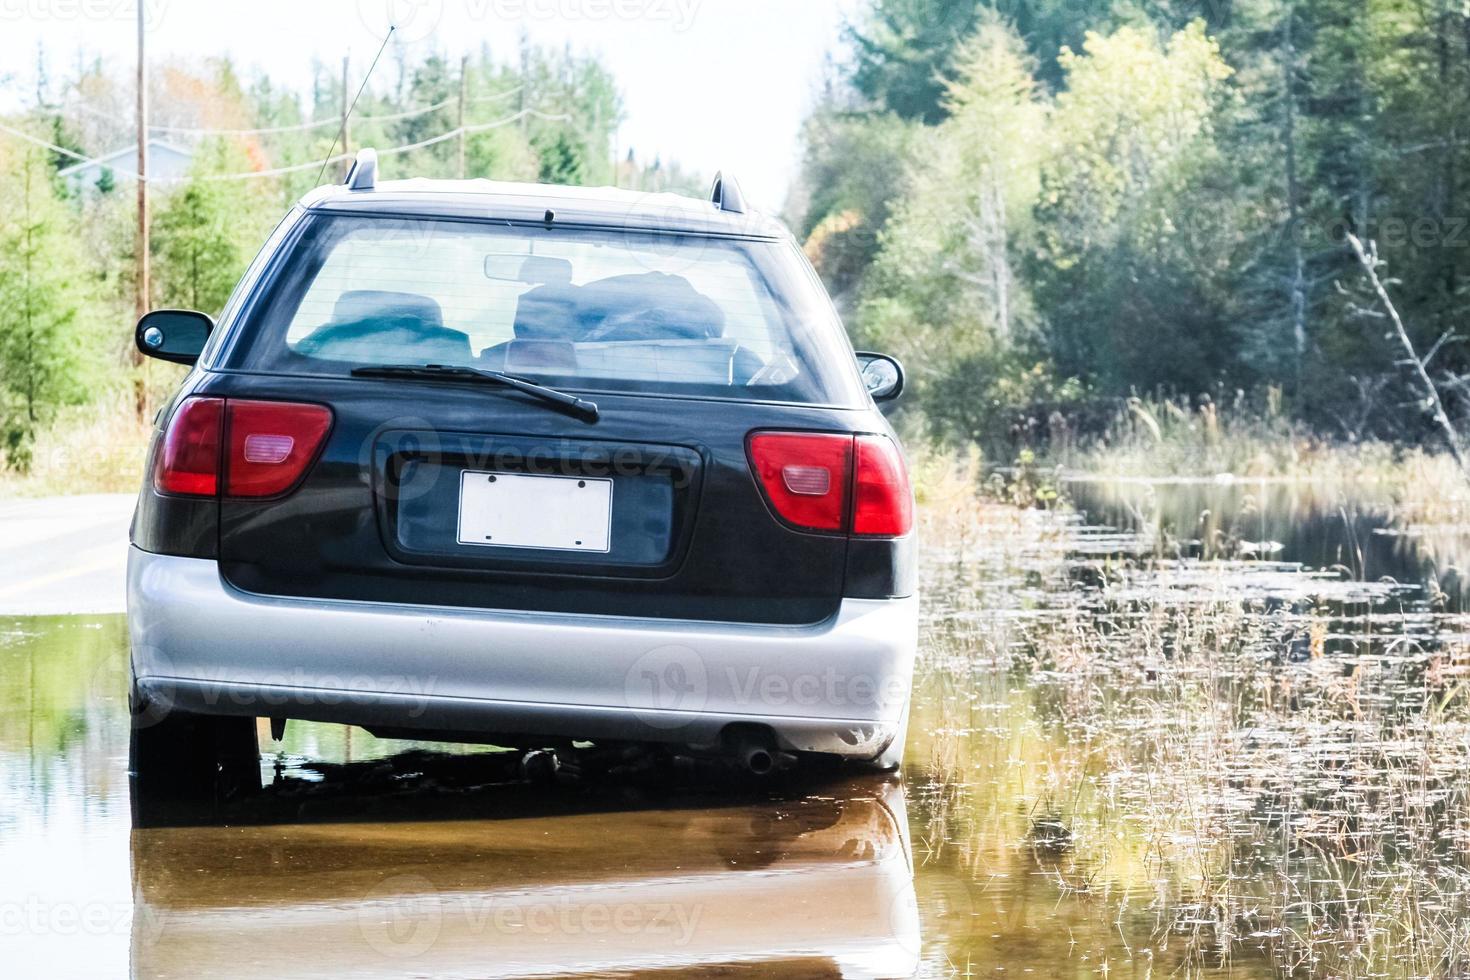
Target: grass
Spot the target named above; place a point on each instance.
(1168, 438)
(93, 448)
(1233, 766)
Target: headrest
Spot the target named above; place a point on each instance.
(382, 304)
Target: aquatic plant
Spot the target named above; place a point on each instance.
(1230, 763)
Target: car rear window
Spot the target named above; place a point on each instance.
(573, 307)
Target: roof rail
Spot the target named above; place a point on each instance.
(364, 173)
(726, 196)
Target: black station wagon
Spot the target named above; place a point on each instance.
(523, 465)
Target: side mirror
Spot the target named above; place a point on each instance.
(882, 375)
(173, 335)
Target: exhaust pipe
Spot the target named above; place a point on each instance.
(757, 760)
(754, 753)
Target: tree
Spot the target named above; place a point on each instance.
(205, 233)
(432, 83)
(505, 152)
(1137, 214)
(501, 154)
(902, 51)
(579, 147)
(973, 191)
(1429, 395)
(43, 342)
(944, 292)
(562, 160)
(853, 174)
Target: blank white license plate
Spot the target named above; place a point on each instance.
(510, 510)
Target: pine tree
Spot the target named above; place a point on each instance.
(945, 292)
(562, 160)
(903, 49)
(42, 299)
(205, 233)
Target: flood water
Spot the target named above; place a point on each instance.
(1199, 731)
(1368, 534)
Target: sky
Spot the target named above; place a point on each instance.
(713, 84)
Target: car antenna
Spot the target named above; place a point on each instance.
(342, 130)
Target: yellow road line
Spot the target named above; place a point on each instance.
(100, 565)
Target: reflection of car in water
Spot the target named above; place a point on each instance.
(523, 465)
(817, 886)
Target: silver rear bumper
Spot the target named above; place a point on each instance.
(201, 645)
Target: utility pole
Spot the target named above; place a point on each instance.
(525, 76)
(141, 288)
(346, 136)
(463, 61)
(595, 134)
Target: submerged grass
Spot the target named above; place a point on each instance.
(1236, 766)
(1164, 437)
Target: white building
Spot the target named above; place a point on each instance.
(165, 162)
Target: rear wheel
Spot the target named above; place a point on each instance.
(174, 755)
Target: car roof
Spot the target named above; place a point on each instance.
(509, 201)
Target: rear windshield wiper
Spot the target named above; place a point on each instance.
(579, 408)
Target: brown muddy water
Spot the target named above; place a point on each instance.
(1195, 730)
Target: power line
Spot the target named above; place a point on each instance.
(405, 148)
(341, 136)
(478, 128)
(295, 168)
(278, 171)
(318, 124)
(60, 149)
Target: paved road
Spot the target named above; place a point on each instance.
(64, 554)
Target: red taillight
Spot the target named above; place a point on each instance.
(188, 460)
(270, 446)
(805, 475)
(883, 504)
(808, 478)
